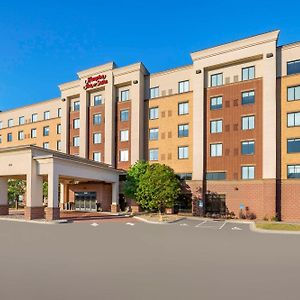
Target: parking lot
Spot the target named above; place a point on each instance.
(189, 259)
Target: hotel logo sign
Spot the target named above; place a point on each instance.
(95, 81)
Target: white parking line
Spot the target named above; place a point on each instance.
(222, 225)
(201, 223)
(95, 224)
(131, 224)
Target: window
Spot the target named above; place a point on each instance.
(183, 152)
(10, 123)
(293, 67)
(183, 130)
(153, 134)
(46, 115)
(9, 137)
(59, 112)
(76, 141)
(248, 97)
(293, 119)
(46, 145)
(183, 86)
(216, 79)
(216, 149)
(153, 113)
(183, 108)
(98, 100)
(216, 103)
(123, 155)
(248, 147)
(21, 120)
(248, 172)
(215, 175)
(21, 135)
(293, 145)
(293, 171)
(46, 131)
(124, 95)
(76, 123)
(58, 128)
(216, 126)
(153, 154)
(33, 133)
(154, 92)
(58, 145)
(97, 156)
(97, 138)
(124, 135)
(293, 93)
(185, 176)
(1, 124)
(0, 139)
(76, 106)
(248, 73)
(124, 114)
(34, 118)
(97, 119)
(248, 122)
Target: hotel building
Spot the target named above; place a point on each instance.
(228, 124)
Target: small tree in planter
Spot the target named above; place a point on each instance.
(16, 188)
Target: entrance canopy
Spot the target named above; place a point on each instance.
(36, 164)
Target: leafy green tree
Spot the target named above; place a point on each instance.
(157, 188)
(45, 189)
(16, 188)
(133, 178)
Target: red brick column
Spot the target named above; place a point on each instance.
(32, 213)
(135, 209)
(3, 210)
(115, 208)
(52, 213)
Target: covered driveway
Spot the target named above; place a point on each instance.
(35, 165)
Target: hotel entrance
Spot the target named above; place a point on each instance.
(85, 201)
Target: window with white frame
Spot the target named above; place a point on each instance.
(97, 138)
(9, 137)
(124, 135)
(154, 92)
(21, 135)
(153, 154)
(46, 115)
(293, 119)
(58, 128)
(248, 147)
(216, 79)
(58, 145)
(1, 124)
(98, 100)
(216, 149)
(153, 113)
(46, 131)
(33, 133)
(97, 156)
(293, 171)
(21, 120)
(293, 67)
(124, 115)
(97, 119)
(76, 123)
(76, 106)
(183, 108)
(248, 73)
(183, 130)
(183, 86)
(153, 134)
(46, 145)
(293, 93)
(76, 141)
(34, 118)
(248, 122)
(10, 123)
(216, 126)
(248, 172)
(59, 112)
(123, 155)
(216, 103)
(124, 95)
(0, 139)
(183, 152)
(248, 97)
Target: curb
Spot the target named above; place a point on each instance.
(35, 221)
(156, 222)
(269, 231)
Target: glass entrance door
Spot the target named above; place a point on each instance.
(85, 201)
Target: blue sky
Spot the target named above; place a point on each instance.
(45, 43)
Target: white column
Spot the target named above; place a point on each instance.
(84, 104)
(65, 127)
(115, 193)
(34, 190)
(53, 182)
(3, 192)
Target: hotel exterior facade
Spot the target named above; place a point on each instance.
(228, 124)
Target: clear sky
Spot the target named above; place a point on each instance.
(45, 43)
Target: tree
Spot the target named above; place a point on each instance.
(133, 177)
(157, 188)
(16, 188)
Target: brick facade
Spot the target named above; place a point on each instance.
(290, 200)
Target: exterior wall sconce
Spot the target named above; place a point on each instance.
(135, 82)
(269, 55)
(63, 99)
(198, 71)
(236, 188)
